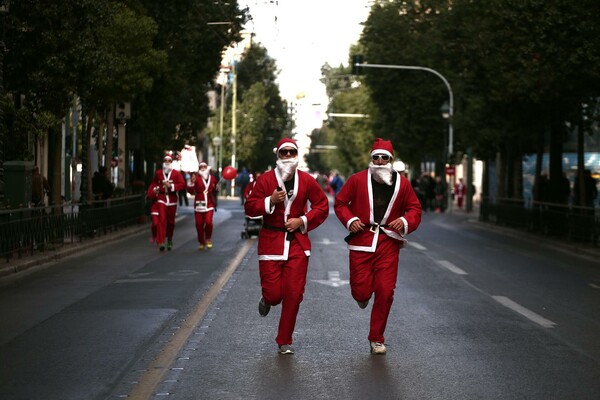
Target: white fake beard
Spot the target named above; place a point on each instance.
(382, 173)
(287, 167)
(204, 174)
(167, 167)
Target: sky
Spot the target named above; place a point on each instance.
(302, 35)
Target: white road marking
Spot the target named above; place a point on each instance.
(325, 241)
(334, 280)
(417, 246)
(451, 267)
(146, 280)
(139, 274)
(538, 319)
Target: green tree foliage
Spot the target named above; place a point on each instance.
(262, 117)
(161, 56)
(176, 109)
(519, 70)
(403, 33)
(352, 137)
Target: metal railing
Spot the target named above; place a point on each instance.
(29, 230)
(573, 223)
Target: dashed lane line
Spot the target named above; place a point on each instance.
(527, 313)
(451, 267)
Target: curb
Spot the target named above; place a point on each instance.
(589, 252)
(21, 267)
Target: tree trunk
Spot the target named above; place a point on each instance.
(538, 166)
(86, 177)
(110, 127)
(501, 173)
(54, 155)
(556, 169)
(580, 165)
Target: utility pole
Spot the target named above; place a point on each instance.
(233, 123)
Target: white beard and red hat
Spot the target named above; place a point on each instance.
(204, 173)
(382, 173)
(167, 162)
(286, 166)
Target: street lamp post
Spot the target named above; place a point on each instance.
(357, 66)
(450, 94)
(445, 110)
(220, 165)
(4, 7)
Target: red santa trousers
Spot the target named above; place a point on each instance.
(166, 222)
(376, 273)
(283, 282)
(204, 225)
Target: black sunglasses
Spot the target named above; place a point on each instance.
(288, 152)
(384, 157)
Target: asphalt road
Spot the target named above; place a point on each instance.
(477, 315)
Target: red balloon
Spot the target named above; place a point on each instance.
(229, 173)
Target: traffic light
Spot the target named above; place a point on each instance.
(356, 70)
(123, 111)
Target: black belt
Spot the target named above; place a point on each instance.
(274, 228)
(289, 235)
(372, 227)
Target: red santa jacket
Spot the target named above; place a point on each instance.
(272, 243)
(355, 201)
(168, 186)
(204, 190)
(249, 189)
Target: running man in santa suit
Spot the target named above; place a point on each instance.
(281, 197)
(204, 185)
(167, 181)
(379, 208)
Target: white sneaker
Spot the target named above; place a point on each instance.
(286, 349)
(377, 348)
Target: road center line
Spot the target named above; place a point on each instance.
(527, 313)
(451, 267)
(157, 369)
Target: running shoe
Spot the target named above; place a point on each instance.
(263, 307)
(286, 349)
(377, 348)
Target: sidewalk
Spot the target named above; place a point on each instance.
(19, 267)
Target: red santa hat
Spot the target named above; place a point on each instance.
(202, 164)
(382, 147)
(285, 142)
(168, 156)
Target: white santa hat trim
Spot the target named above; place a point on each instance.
(285, 142)
(381, 146)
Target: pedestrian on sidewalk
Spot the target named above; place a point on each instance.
(460, 192)
(280, 197)
(205, 187)
(163, 188)
(379, 207)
